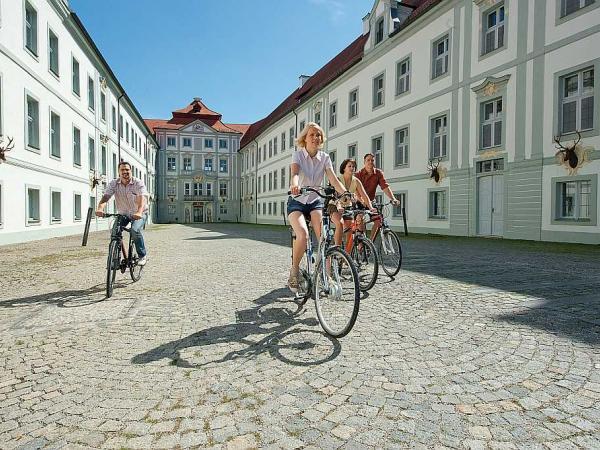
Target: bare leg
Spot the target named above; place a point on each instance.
(336, 218)
(298, 223)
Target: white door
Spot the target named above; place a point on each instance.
(484, 206)
(497, 205)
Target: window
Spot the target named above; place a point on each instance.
(270, 208)
(187, 164)
(270, 149)
(54, 134)
(570, 6)
(77, 207)
(577, 101)
(121, 126)
(401, 147)
(292, 136)
(403, 76)
(265, 152)
(352, 151)
(275, 145)
(259, 185)
(223, 165)
(91, 94)
(31, 28)
(55, 206)
(208, 143)
(91, 153)
(353, 104)
(127, 132)
(441, 57)
(197, 189)
(103, 106)
(170, 141)
(377, 150)
(209, 189)
(574, 200)
(270, 181)
(223, 189)
(398, 209)
(208, 164)
(378, 91)
(187, 142)
(172, 210)
(103, 155)
(437, 204)
(171, 163)
(379, 31)
(76, 147)
(171, 189)
(114, 118)
(222, 209)
(114, 165)
(282, 207)
(282, 185)
(33, 123)
(264, 182)
(439, 137)
(283, 141)
(333, 115)
(33, 205)
(187, 189)
(491, 124)
(53, 52)
(76, 84)
(222, 143)
(302, 123)
(264, 209)
(318, 118)
(333, 157)
(493, 33)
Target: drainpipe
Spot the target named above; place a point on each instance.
(119, 126)
(256, 184)
(295, 127)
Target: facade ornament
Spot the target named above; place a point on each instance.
(95, 180)
(104, 138)
(490, 154)
(5, 147)
(103, 83)
(199, 178)
(491, 85)
(490, 89)
(436, 172)
(573, 156)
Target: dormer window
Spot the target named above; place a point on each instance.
(379, 31)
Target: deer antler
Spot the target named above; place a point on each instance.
(578, 139)
(6, 148)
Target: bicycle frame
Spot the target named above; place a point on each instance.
(381, 223)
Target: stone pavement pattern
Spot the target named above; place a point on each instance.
(476, 344)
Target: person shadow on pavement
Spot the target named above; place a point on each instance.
(264, 328)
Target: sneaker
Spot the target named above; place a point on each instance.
(293, 283)
(142, 261)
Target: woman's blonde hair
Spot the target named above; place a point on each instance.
(301, 139)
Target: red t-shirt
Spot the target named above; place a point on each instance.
(370, 182)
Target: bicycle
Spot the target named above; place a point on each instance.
(115, 248)
(385, 240)
(361, 249)
(333, 283)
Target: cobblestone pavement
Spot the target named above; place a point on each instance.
(476, 344)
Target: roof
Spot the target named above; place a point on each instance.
(329, 72)
(196, 110)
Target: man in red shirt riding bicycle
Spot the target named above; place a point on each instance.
(371, 177)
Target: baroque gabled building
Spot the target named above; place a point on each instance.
(475, 89)
(70, 122)
(197, 166)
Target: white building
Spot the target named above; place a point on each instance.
(62, 105)
(483, 85)
(197, 166)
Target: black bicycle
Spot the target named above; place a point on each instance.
(329, 276)
(386, 241)
(118, 258)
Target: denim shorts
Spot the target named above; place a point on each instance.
(304, 208)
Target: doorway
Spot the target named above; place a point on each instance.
(490, 202)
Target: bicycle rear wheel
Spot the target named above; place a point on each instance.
(134, 270)
(337, 298)
(112, 264)
(366, 260)
(390, 255)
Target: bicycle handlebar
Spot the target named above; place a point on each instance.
(329, 192)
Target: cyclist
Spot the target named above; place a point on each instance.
(354, 186)
(371, 177)
(130, 198)
(309, 166)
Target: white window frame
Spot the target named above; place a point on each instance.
(187, 167)
(28, 220)
(397, 209)
(495, 118)
(226, 168)
(91, 153)
(443, 152)
(291, 137)
(91, 94)
(75, 163)
(577, 98)
(34, 27)
(53, 137)
(353, 104)
(444, 57)
(102, 106)
(403, 79)
(209, 189)
(352, 150)
(333, 114)
(186, 140)
(378, 85)
(282, 140)
(171, 167)
(432, 201)
(577, 200)
(223, 188)
(187, 189)
(377, 150)
(208, 164)
(208, 143)
(28, 119)
(223, 144)
(498, 30)
(379, 31)
(582, 4)
(51, 54)
(75, 77)
(75, 195)
(401, 148)
(282, 185)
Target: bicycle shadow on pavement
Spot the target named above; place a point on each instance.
(273, 326)
(74, 298)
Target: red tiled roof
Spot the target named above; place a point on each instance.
(328, 73)
(195, 111)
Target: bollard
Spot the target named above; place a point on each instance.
(86, 230)
(404, 220)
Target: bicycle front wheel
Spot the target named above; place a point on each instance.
(134, 270)
(337, 293)
(366, 260)
(390, 252)
(112, 264)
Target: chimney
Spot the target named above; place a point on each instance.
(197, 99)
(303, 79)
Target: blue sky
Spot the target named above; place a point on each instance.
(241, 57)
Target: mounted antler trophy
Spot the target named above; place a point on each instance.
(435, 171)
(95, 180)
(572, 156)
(5, 148)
